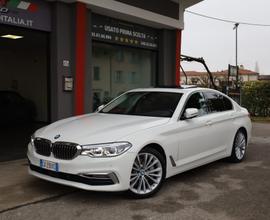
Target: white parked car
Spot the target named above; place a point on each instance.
(139, 139)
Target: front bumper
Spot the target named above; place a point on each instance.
(97, 174)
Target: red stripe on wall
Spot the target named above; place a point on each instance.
(177, 56)
(33, 7)
(80, 57)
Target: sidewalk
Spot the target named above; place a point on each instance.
(18, 188)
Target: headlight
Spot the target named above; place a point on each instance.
(32, 140)
(105, 150)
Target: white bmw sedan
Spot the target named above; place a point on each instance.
(139, 139)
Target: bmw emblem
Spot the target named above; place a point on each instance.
(57, 136)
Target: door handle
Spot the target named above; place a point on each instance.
(208, 123)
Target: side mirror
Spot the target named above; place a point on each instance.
(191, 113)
(100, 107)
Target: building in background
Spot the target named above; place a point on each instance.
(220, 77)
(264, 78)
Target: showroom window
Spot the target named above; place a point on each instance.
(121, 68)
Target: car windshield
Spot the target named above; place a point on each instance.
(153, 104)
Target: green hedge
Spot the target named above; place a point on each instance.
(256, 98)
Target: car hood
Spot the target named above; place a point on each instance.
(98, 128)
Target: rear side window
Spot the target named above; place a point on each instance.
(217, 102)
(227, 104)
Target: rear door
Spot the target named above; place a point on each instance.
(221, 116)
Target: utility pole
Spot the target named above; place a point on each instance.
(236, 51)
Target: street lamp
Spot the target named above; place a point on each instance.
(236, 51)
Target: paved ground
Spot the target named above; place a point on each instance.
(217, 191)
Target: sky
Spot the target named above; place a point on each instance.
(215, 40)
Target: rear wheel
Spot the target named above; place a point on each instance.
(239, 147)
(147, 173)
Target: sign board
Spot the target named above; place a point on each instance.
(232, 70)
(68, 83)
(66, 63)
(115, 31)
(34, 14)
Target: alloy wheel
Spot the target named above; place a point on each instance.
(146, 174)
(240, 146)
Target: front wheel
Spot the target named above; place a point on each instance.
(147, 173)
(239, 147)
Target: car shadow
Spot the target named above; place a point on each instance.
(189, 177)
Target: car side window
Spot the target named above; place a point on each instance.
(227, 104)
(198, 101)
(217, 102)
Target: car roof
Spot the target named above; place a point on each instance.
(183, 89)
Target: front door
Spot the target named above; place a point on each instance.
(221, 117)
(195, 134)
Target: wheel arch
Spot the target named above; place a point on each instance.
(244, 130)
(160, 149)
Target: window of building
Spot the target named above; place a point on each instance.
(134, 58)
(119, 55)
(96, 73)
(119, 77)
(133, 77)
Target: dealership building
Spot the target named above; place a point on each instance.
(68, 57)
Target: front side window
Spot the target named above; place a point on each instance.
(198, 101)
(153, 104)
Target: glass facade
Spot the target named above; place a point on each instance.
(117, 69)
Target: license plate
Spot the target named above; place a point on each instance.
(49, 165)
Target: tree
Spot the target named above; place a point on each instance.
(256, 97)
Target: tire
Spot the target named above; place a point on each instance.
(239, 147)
(147, 174)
